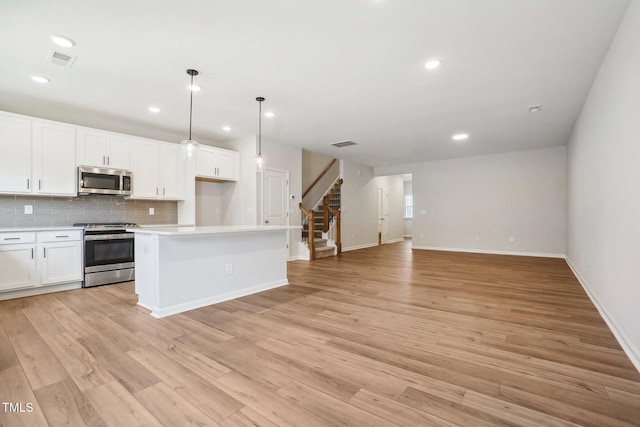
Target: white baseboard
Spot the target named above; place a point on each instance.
(355, 248)
(485, 251)
(401, 239)
(38, 290)
(179, 308)
(629, 348)
(408, 236)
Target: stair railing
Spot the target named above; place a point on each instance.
(328, 209)
(310, 222)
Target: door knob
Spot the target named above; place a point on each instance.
(266, 221)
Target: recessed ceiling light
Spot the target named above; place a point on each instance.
(40, 79)
(154, 109)
(226, 128)
(269, 114)
(194, 88)
(460, 136)
(63, 41)
(535, 108)
(432, 64)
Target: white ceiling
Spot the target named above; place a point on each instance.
(331, 70)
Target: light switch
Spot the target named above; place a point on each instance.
(28, 209)
(152, 211)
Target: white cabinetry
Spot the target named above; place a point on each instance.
(103, 149)
(54, 159)
(217, 163)
(36, 157)
(15, 154)
(38, 259)
(158, 170)
(61, 253)
(17, 261)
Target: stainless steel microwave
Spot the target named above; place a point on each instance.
(92, 180)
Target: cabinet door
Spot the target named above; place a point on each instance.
(119, 152)
(172, 172)
(17, 266)
(61, 262)
(206, 163)
(226, 164)
(146, 163)
(15, 155)
(54, 159)
(91, 148)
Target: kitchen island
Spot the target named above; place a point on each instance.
(183, 268)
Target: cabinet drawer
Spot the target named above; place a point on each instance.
(59, 236)
(18, 237)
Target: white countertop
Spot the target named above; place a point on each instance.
(223, 229)
(41, 228)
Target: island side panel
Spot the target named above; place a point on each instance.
(203, 269)
(147, 270)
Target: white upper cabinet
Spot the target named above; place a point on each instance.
(54, 159)
(217, 163)
(37, 157)
(103, 149)
(158, 170)
(15, 154)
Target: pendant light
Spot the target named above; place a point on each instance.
(259, 158)
(189, 146)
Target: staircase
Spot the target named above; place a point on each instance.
(323, 238)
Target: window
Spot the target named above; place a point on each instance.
(408, 206)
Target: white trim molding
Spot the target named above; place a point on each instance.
(627, 346)
(485, 251)
(355, 248)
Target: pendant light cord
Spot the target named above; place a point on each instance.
(191, 107)
(260, 129)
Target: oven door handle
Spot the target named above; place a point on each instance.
(108, 236)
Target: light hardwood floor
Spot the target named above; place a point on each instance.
(381, 336)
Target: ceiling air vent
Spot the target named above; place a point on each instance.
(343, 144)
(60, 59)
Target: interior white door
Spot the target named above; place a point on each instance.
(383, 216)
(275, 188)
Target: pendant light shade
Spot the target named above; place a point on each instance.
(259, 158)
(189, 146)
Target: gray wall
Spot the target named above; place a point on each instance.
(476, 204)
(52, 211)
(603, 236)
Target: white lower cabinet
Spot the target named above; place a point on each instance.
(61, 254)
(17, 261)
(35, 259)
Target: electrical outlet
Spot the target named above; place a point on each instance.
(229, 269)
(477, 237)
(152, 211)
(511, 239)
(28, 209)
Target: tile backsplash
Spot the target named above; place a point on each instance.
(52, 211)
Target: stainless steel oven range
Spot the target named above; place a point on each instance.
(108, 253)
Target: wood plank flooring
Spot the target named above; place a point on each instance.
(377, 337)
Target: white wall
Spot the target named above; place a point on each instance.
(408, 190)
(520, 195)
(242, 200)
(239, 203)
(360, 206)
(604, 187)
(283, 157)
(312, 165)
